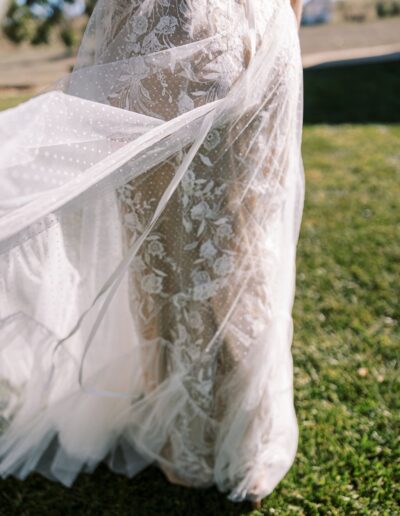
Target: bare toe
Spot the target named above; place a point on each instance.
(256, 504)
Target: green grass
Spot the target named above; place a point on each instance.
(345, 356)
(346, 326)
(7, 102)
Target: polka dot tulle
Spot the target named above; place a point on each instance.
(150, 205)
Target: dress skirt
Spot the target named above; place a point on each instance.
(150, 206)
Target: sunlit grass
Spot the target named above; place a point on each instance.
(346, 326)
(7, 102)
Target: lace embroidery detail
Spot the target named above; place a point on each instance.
(200, 285)
(191, 256)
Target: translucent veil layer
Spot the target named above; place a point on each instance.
(150, 206)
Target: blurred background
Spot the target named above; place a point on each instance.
(346, 316)
(39, 39)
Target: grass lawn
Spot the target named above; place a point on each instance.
(345, 356)
(10, 101)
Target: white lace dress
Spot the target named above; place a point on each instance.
(150, 206)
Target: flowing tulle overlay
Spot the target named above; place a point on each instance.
(150, 206)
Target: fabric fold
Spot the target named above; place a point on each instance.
(150, 206)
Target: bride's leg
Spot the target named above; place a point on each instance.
(174, 324)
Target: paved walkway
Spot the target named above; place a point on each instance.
(352, 55)
(350, 42)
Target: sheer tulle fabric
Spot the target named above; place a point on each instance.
(150, 206)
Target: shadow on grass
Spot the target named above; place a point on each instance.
(352, 92)
(106, 493)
